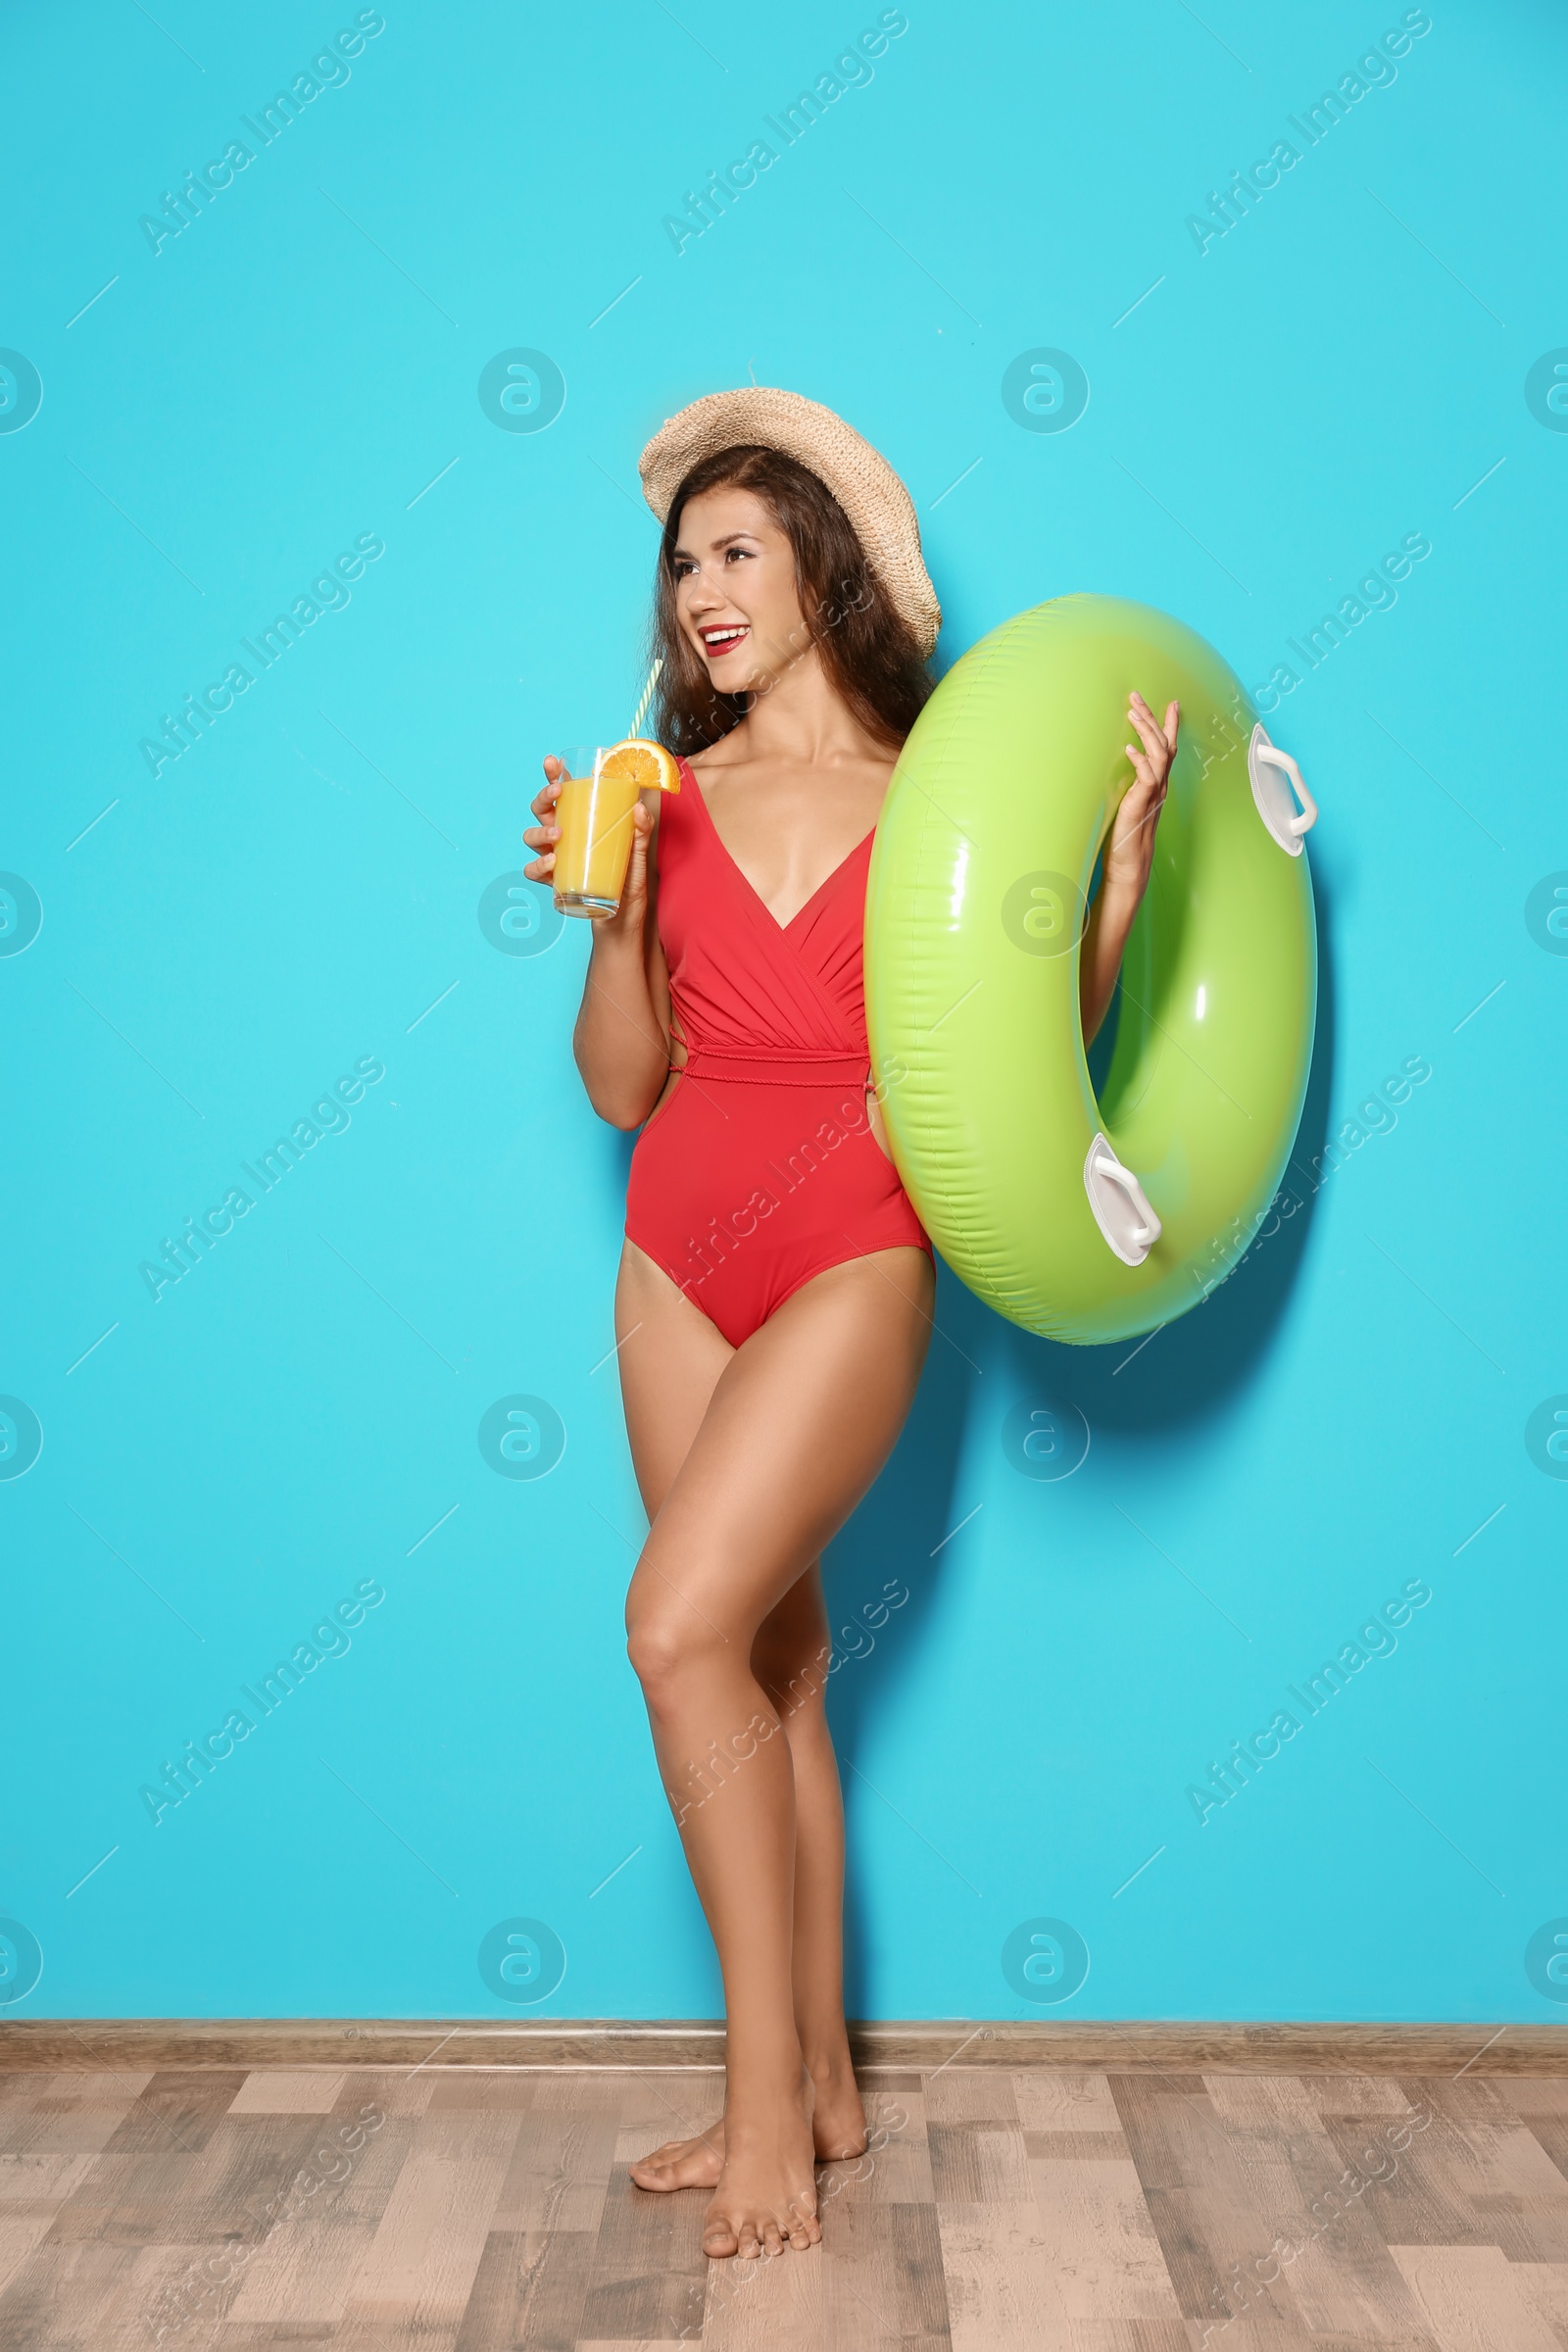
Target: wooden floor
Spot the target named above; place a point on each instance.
(463, 2210)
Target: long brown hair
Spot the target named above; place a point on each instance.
(867, 649)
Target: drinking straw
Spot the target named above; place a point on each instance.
(647, 697)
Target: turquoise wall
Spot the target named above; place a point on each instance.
(303, 922)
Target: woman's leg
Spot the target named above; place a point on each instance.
(790, 1660)
(671, 1360)
(798, 1424)
(669, 1356)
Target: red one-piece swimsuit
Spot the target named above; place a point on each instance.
(760, 1168)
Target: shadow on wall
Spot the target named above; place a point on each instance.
(896, 1542)
(1188, 1371)
(886, 1549)
(1192, 1367)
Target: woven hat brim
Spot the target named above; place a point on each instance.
(880, 510)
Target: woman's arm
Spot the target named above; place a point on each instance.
(1129, 856)
(620, 1041)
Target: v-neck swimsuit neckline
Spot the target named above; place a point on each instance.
(733, 862)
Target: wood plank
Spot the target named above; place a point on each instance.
(1420, 2196)
(1130, 2336)
(1077, 2147)
(302, 2272)
(415, 2281)
(1472, 2301)
(168, 2287)
(289, 2091)
(558, 2174)
(32, 2190)
(1522, 2177)
(176, 2293)
(1065, 2098)
(395, 2094)
(976, 2141)
(881, 2253)
(1545, 2283)
(64, 2288)
(1551, 2131)
(978, 2163)
(1211, 2221)
(25, 2224)
(37, 2180)
(528, 2292)
(896, 2164)
(1346, 2286)
(1536, 2094)
(883, 2278)
(176, 2110)
(1335, 2274)
(968, 2096)
(647, 2277)
(1467, 2100)
(1475, 2176)
(1002, 2295)
(68, 2114)
(254, 2169)
(1357, 2094)
(122, 2200)
(1262, 2102)
(239, 2336)
(1101, 2245)
(491, 2087)
(773, 2304)
(1327, 2261)
(604, 2090)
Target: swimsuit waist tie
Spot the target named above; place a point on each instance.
(780, 1069)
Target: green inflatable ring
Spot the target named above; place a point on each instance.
(1081, 1219)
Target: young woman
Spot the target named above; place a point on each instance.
(776, 1290)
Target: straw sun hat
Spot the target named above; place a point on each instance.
(879, 508)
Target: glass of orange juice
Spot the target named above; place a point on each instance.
(594, 813)
(598, 793)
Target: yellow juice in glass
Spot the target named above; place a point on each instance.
(594, 813)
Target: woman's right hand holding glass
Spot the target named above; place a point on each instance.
(544, 835)
(628, 919)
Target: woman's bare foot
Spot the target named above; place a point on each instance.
(838, 2130)
(838, 2119)
(683, 2163)
(766, 2199)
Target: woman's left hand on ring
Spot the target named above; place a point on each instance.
(1131, 849)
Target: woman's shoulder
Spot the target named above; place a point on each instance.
(673, 810)
(685, 787)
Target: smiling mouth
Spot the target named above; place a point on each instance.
(718, 641)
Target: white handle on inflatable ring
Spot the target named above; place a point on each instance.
(1274, 805)
(1308, 816)
(1120, 1205)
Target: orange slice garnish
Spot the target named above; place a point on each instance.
(646, 765)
